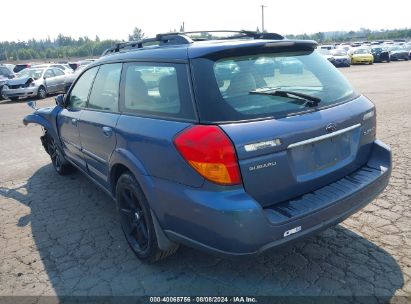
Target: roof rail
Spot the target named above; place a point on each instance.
(183, 38)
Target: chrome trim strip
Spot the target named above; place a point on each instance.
(318, 138)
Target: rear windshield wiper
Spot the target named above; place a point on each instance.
(309, 100)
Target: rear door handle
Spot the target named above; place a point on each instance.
(107, 131)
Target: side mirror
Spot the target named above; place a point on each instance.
(61, 100)
(32, 104)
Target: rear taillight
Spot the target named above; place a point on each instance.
(210, 152)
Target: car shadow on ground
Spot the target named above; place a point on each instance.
(78, 236)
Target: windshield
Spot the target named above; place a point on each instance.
(324, 51)
(361, 51)
(33, 73)
(264, 85)
(338, 53)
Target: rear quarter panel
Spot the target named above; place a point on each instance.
(148, 144)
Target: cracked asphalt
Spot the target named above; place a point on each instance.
(60, 236)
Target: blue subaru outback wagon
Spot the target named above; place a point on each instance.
(230, 145)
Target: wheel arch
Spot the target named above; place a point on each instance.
(119, 168)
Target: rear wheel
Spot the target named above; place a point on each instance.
(136, 220)
(60, 164)
(41, 93)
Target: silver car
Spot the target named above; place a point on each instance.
(62, 66)
(35, 82)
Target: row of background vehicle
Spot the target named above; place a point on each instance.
(345, 54)
(17, 80)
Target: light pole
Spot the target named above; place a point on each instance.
(262, 17)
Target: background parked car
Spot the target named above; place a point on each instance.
(398, 52)
(341, 58)
(380, 54)
(85, 62)
(64, 67)
(327, 54)
(35, 82)
(362, 55)
(20, 67)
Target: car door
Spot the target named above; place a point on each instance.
(69, 117)
(60, 78)
(49, 80)
(98, 121)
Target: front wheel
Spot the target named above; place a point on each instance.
(57, 159)
(41, 93)
(136, 220)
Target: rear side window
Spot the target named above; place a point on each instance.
(105, 91)
(81, 89)
(157, 89)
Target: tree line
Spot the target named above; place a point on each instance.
(68, 47)
(362, 34)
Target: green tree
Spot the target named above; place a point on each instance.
(136, 35)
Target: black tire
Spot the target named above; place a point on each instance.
(60, 164)
(136, 221)
(41, 93)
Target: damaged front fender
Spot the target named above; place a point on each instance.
(47, 118)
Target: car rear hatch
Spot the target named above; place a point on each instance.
(281, 159)
(286, 145)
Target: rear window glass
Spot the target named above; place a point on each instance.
(158, 89)
(252, 87)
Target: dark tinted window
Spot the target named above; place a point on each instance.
(158, 89)
(104, 94)
(79, 93)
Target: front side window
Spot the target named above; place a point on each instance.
(270, 85)
(79, 93)
(158, 89)
(105, 91)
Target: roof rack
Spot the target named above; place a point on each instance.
(162, 39)
(183, 38)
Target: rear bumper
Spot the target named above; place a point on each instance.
(231, 223)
